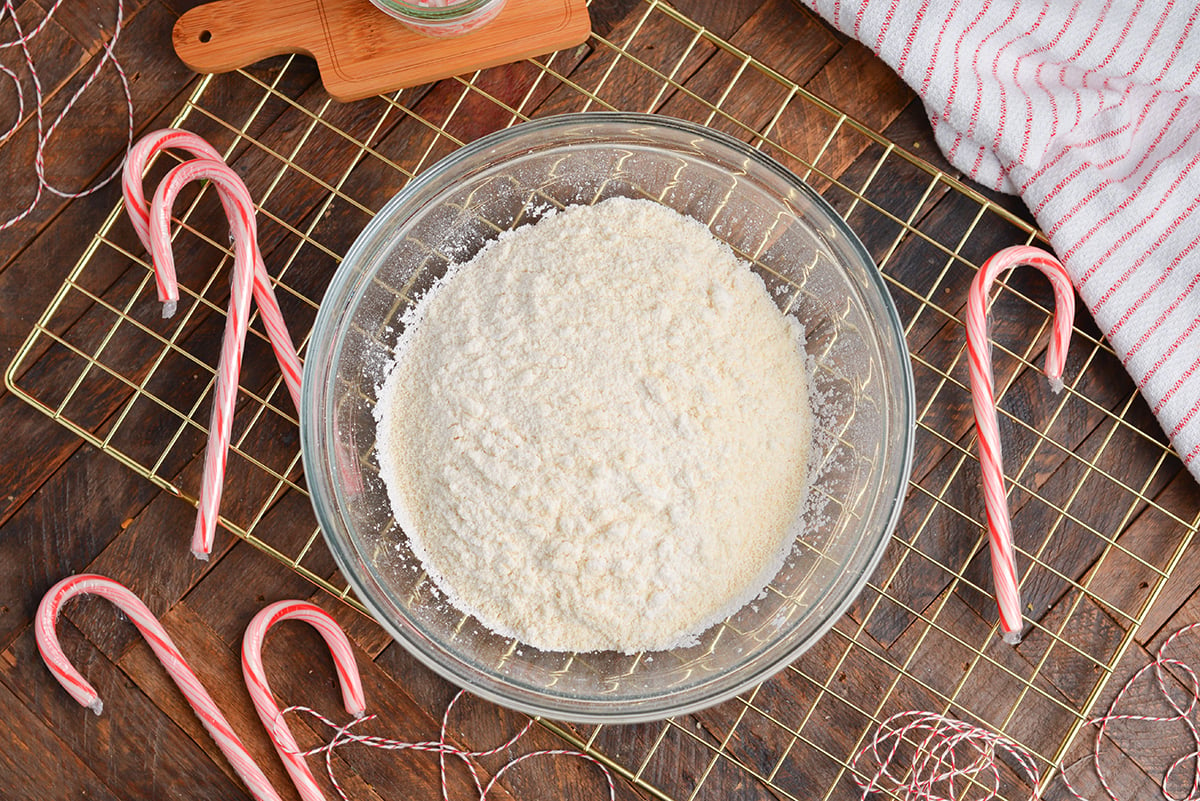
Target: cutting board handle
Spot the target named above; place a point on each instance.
(363, 52)
(228, 34)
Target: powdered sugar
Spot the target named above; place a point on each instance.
(596, 432)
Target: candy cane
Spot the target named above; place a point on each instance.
(264, 699)
(242, 226)
(1004, 569)
(158, 639)
(164, 272)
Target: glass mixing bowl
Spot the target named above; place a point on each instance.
(812, 264)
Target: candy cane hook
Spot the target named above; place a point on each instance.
(160, 642)
(1004, 569)
(264, 699)
(138, 210)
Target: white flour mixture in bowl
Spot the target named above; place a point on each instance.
(596, 432)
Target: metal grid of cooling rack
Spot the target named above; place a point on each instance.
(1097, 537)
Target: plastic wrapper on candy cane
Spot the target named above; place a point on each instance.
(1000, 538)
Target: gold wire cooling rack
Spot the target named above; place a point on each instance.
(1098, 529)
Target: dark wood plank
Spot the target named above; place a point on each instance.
(655, 40)
(245, 566)
(747, 95)
(1180, 496)
(150, 557)
(1126, 780)
(39, 255)
(36, 759)
(723, 19)
(863, 89)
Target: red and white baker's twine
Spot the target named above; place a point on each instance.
(929, 757)
(160, 642)
(925, 756)
(343, 735)
(1183, 714)
(1004, 570)
(22, 42)
(153, 226)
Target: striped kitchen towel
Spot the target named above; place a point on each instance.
(1088, 110)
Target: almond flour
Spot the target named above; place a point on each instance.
(596, 432)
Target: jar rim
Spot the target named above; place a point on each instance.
(452, 11)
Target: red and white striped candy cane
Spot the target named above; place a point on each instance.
(264, 699)
(242, 226)
(83, 692)
(1004, 569)
(164, 272)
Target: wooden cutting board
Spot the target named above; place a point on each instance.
(361, 51)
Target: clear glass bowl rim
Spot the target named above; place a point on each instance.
(433, 654)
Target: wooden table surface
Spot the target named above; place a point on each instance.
(68, 508)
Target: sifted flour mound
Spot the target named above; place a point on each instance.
(596, 432)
